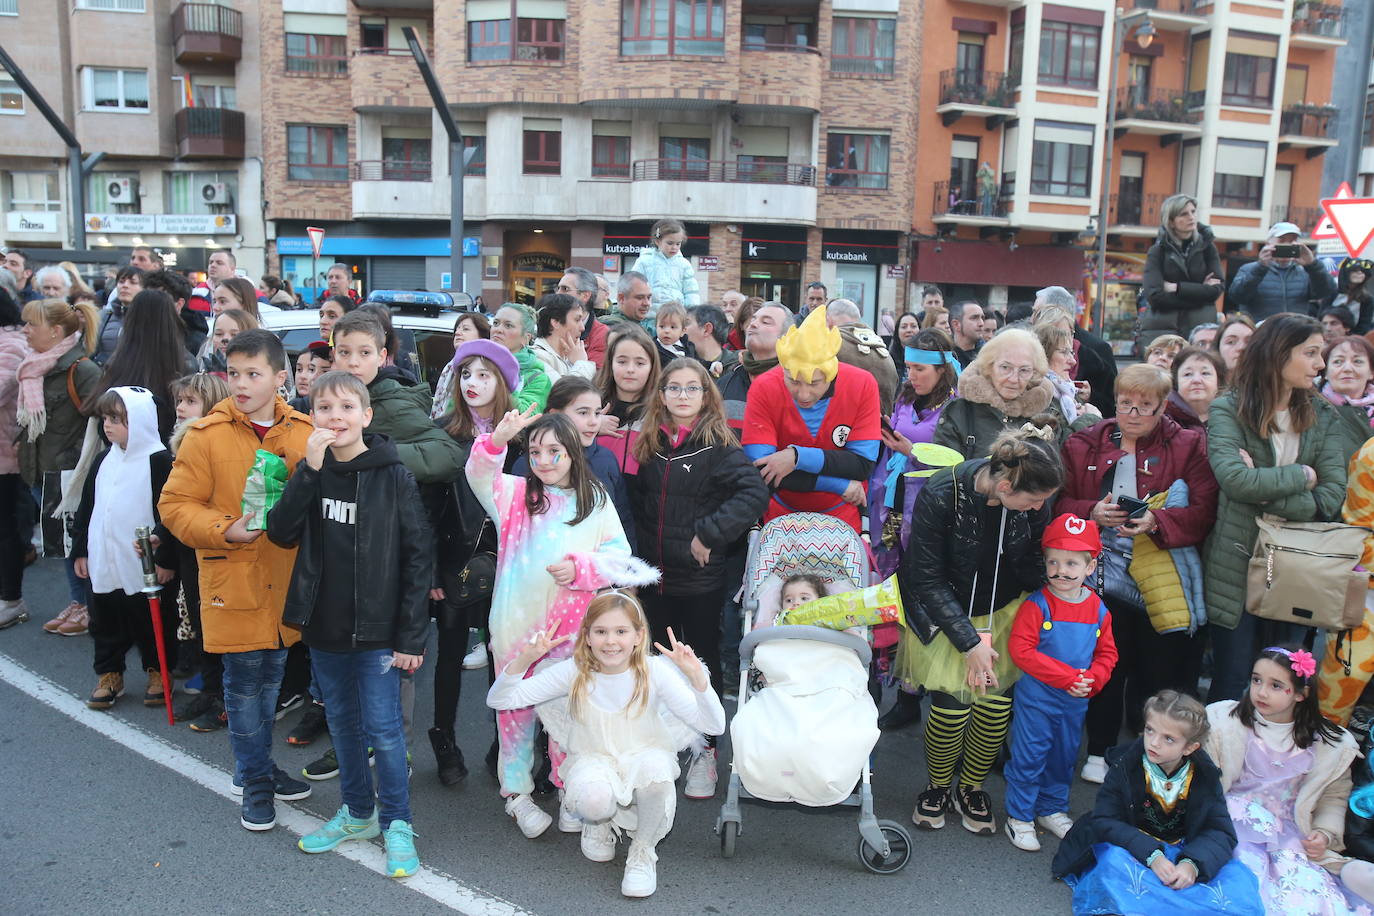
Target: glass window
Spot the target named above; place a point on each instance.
(1248, 80)
(373, 36)
(543, 152)
(9, 7)
(776, 33)
(1239, 182)
(477, 165)
(1016, 55)
(213, 96)
(856, 160)
(187, 191)
(1068, 54)
(318, 54)
(535, 39)
(106, 192)
(1061, 159)
(684, 158)
(34, 191)
(316, 153)
(11, 98)
(685, 27)
(489, 40)
(863, 45)
(405, 159)
(610, 157)
(121, 6)
(116, 90)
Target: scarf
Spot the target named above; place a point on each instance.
(32, 412)
(756, 367)
(1066, 394)
(1366, 402)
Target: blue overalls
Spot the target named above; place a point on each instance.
(1047, 723)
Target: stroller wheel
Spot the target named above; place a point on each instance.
(729, 830)
(899, 850)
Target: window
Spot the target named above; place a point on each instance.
(1248, 80)
(1068, 54)
(477, 165)
(863, 45)
(316, 54)
(118, 6)
(543, 152)
(1061, 159)
(9, 7)
(11, 97)
(684, 27)
(1016, 55)
(963, 174)
(610, 156)
(535, 39)
(192, 192)
(684, 158)
(778, 33)
(213, 95)
(34, 191)
(489, 40)
(856, 160)
(968, 57)
(112, 192)
(372, 35)
(1239, 181)
(316, 153)
(405, 159)
(115, 90)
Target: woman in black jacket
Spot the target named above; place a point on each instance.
(974, 552)
(695, 494)
(1183, 276)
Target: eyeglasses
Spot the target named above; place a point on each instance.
(677, 391)
(1134, 410)
(1007, 370)
(1066, 352)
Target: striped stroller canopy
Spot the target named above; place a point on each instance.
(807, 542)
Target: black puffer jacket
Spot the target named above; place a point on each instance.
(1194, 302)
(695, 490)
(393, 553)
(949, 529)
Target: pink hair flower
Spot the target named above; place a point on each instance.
(1304, 664)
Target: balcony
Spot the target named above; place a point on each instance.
(967, 210)
(387, 80)
(207, 33)
(1134, 213)
(1309, 127)
(1159, 112)
(392, 170)
(1174, 15)
(209, 133)
(977, 93)
(1318, 25)
(1306, 218)
(722, 190)
(780, 76)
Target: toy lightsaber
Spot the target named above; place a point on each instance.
(153, 590)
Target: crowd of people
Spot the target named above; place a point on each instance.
(1073, 546)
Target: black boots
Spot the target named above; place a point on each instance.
(904, 712)
(446, 754)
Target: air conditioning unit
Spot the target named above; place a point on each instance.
(214, 192)
(122, 190)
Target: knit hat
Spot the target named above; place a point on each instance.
(1069, 532)
(493, 353)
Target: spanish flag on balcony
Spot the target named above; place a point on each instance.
(190, 98)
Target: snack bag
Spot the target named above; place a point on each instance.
(864, 607)
(264, 486)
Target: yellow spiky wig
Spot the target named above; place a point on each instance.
(804, 351)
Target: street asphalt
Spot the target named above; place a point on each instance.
(118, 812)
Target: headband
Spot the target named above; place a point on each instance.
(934, 358)
(1300, 660)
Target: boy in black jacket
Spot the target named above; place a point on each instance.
(360, 596)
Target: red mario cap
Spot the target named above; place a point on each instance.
(1069, 532)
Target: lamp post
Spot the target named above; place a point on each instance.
(456, 159)
(1145, 34)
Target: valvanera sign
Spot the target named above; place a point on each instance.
(170, 223)
(33, 221)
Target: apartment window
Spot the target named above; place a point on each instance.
(372, 35)
(610, 152)
(1248, 76)
(213, 95)
(477, 165)
(863, 45)
(316, 153)
(112, 192)
(969, 56)
(118, 6)
(11, 98)
(543, 152)
(34, 191)
(684, 158)
(672, 27)
(406, 159)
(1061, 159)
(535, 39)
(201, 192)
(115, 90)
(1069, 53)
(778, 33)
(1016, 55)
(316, 54)
(856, 160)
(9, 7)
(1239, 181)
(963, 172)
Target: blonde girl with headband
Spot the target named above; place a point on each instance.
(671, 276)
(622, 715)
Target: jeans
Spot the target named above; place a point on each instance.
(251, 683)
(364, 704)
(16, 531)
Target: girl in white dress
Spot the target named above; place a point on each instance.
(622, 716)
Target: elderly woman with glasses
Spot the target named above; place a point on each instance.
(1003, 388)
(1139, 453)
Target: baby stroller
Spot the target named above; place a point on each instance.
(798, 682)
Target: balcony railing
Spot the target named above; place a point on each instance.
(1134, 210)
(717, 170)
(209, 133)
(207, 33)
(1322, 20)
(956, 203)
(747, 45)
(987, 88)
(1142, 104)
(1315, 121)
(392, 170)
(1305, 218)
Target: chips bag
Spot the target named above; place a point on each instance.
(864, 607)
(266, 480)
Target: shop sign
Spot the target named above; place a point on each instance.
(132, 223)
(859, 247)
(610, 264)
(196, 223)
(538, 261)
(708, 263)
(32, 221)
(896, 271)
(633, 238)
(770, 250)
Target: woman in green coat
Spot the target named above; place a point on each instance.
(1273, 445)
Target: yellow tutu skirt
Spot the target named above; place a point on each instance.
(939, 667)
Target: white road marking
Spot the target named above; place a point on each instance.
(436, 885)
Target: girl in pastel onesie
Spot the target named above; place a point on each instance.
(559, 541)
(671, 276)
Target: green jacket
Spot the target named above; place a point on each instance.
(534, 381)
(402, 412)
(59, 447)
(1248, 492)
(1352, 425)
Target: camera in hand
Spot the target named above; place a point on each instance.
(1287, 251)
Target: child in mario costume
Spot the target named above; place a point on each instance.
(811, 425)
(1062, 642)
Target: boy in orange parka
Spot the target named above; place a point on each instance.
(243, 575)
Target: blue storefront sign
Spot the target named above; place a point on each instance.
(341, 245)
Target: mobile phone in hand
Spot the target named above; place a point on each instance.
(1287, 251)
(1135, 508)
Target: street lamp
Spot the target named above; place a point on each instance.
(1139, 20)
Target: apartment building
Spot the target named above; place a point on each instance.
(1229, 102)
(168, 91)
(781, 132)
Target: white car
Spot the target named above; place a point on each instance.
(423, 323)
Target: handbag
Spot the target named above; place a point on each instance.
(478, 576)
(1308, 573)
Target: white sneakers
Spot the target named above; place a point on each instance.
(477, 658)
(1094, 769)
(1058, 823)
(641, 875)
(529, 817)
(1022, 835)
(598, 842)
(701, 775)
(567, 821)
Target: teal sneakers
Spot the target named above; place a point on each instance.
(402, 860)
(342, 826)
